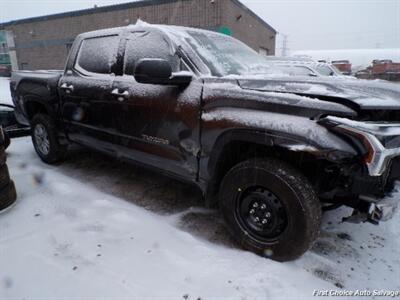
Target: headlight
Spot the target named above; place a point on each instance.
(380, 141)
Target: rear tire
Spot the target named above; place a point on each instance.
(270, 208)
(45, 139)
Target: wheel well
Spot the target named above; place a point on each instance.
(33, 108)
(238, 151)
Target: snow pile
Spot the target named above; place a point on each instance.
(65, 238)
(360, 58)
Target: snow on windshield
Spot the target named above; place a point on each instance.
(226, 56)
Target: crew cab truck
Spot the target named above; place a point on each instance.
(271, 151)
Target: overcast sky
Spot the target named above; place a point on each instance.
(309, 24)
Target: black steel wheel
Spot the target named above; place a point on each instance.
(270, 208)
(261, 213)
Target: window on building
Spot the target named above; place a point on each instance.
(147, 44)
(24, 66)
(263, 51)
(98, 55)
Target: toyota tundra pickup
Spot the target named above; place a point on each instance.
(271, 151)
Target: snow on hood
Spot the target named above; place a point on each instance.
(377, 94)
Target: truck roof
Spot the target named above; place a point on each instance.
(179, 30)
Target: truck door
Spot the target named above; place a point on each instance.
(157, 124)
(85, 92)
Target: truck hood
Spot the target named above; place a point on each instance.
(356, 93)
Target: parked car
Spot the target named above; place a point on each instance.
(303, 66)
(5, 70)
(8, 194)
(343, 66)
(268, 150)
(381, 69)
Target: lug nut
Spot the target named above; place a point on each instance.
(257, 219)
(263, 206)
(255, 204)
(268, 215)
(252, 211)
(264, 221)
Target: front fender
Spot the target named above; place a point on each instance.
(224, 125)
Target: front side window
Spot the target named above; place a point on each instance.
(147, 44)
(98, 55)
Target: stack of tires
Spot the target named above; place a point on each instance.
(8, 194)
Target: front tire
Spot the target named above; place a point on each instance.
(45, 139)
(270, 208)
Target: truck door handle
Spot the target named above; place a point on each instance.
(121, 95)
(68, 88)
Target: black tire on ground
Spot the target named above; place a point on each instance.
(45, 140)
(4, 176)
(8, 195)
(2, 148)
(2, 155)
(286, 220)
(7, 140)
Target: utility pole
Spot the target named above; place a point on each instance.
(285, 48)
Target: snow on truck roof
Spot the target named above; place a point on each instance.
(142, 24)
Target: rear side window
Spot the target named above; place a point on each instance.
(98, 55)
(147, 44)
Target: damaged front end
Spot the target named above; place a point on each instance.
(368, 184)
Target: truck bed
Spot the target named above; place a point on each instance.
(41, 84)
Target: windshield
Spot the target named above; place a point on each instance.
(226, 56)
(325, 70)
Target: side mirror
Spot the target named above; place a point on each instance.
(159, 71)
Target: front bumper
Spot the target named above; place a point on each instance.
(377, 183)
(376, 211)
(370, 136)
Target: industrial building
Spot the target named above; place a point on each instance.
(44, 42)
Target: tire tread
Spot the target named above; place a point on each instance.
(300, 185)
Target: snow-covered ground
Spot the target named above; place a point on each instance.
(95, 228)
